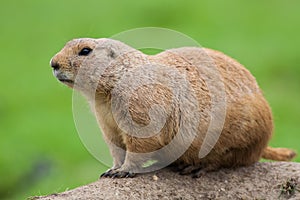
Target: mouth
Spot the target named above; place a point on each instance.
(66, 81)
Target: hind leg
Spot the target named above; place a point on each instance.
(197, 170)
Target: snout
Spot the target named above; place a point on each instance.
(60, 74)
(54, 64)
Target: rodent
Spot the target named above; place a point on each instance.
(107, 67)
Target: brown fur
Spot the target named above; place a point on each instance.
(248, 123)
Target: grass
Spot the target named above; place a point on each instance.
(40, 151)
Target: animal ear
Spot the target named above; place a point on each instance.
(112, 53)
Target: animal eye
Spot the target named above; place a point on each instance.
(85, 51)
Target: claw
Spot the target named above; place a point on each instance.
(178, 167)
(189, 170)
(106, 174)
(122, 174)
(117, 174)
(198, 174)
(130, 175)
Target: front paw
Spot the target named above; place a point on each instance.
(117, 173)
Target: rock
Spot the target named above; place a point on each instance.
(268, 180)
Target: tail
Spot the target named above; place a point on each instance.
(278, 154)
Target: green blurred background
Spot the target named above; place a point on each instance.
(40, 151)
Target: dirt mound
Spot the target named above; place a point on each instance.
(277, 180)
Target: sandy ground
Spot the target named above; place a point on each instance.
(276, 180)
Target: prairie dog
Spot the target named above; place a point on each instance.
(159, 107)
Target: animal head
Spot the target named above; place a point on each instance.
(87, 57)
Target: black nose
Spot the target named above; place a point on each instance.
(54, 65)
